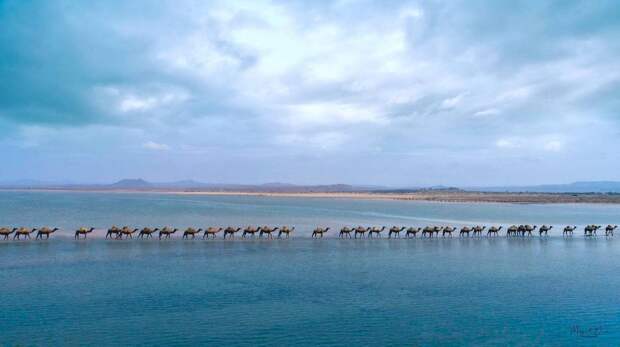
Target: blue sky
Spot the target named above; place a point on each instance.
(388, 92)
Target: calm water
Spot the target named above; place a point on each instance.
(483, 291)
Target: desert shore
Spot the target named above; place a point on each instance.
(437, 196)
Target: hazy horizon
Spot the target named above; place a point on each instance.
(399, 93)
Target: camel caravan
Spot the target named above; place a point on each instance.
(284, 232)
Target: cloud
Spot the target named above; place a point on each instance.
(155, 146)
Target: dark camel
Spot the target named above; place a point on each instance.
(83, 231)
(465, 231)
(113, 231)
(477, 230)
(494, 231)
(412, 231)
(45, 231)
(568, 230)
(166, 232)
(267, 230)
(590, 230)
(396, 231)
(286, 231)
(148, 232)
(544, 230)
(609, 230)
(361, 231)
(512, 230)
(230, 231)
(191, 232)
(448, 230)
(6, 232)
(345, 232)
(375, 230)
(250, 230)
(318, 232)
(25, 232)
(430, 231)
(211, 231)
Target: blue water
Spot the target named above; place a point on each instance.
(484, 291)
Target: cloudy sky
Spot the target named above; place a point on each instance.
(388, 92)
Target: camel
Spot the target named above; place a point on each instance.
(361, 231)
(590, 230)
(477, 230)
(448, 230)
(286, 231)
(250, 230)
(428, 230)
(25, 232)
(609, 230)
(114, 230)
(512, 230)
(375, 230)
(396, 231)
(465, 231)
(211, 231)
(45, 231)
(127, 232)
(345, 232)
(569, 230)
(148, 232)
(494, 230)
(544, 230)
(412, 230)
(523, 229)
(83, 231)
(166, 232)
(230, 231)
(191, 232)
(318, 232)
(267, 230)
(6, 232)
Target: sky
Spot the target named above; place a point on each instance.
(397, 93)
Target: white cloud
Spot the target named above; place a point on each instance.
(487, 112)
(155, 146)
(451, 103)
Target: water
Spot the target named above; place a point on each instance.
(485, 291)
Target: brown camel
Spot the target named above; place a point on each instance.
(286, 231)
(83, 231)
(148, 232)
(250, 230)
(568, 230)
(166, 232)
(396, 231)
(431, 230)
(375, 230)
(113, 231)
(127, 232)
(544, 230)
(25, 232)
(318, 232)
(477, 230)
(191, 232)
(609, 230)
(211, 231)
(268, 231)
(361, 231)
(465, 231)
(512, 230)
(6, 232)
(448, 230)
(412, 231)
(494, 231)
(45, 231)
(345, 232)
(230, 231)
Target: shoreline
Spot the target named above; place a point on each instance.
(426, 196)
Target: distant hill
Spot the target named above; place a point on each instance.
(131, 183)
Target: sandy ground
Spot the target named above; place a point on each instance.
(438, 196)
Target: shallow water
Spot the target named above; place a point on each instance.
(483, 291)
